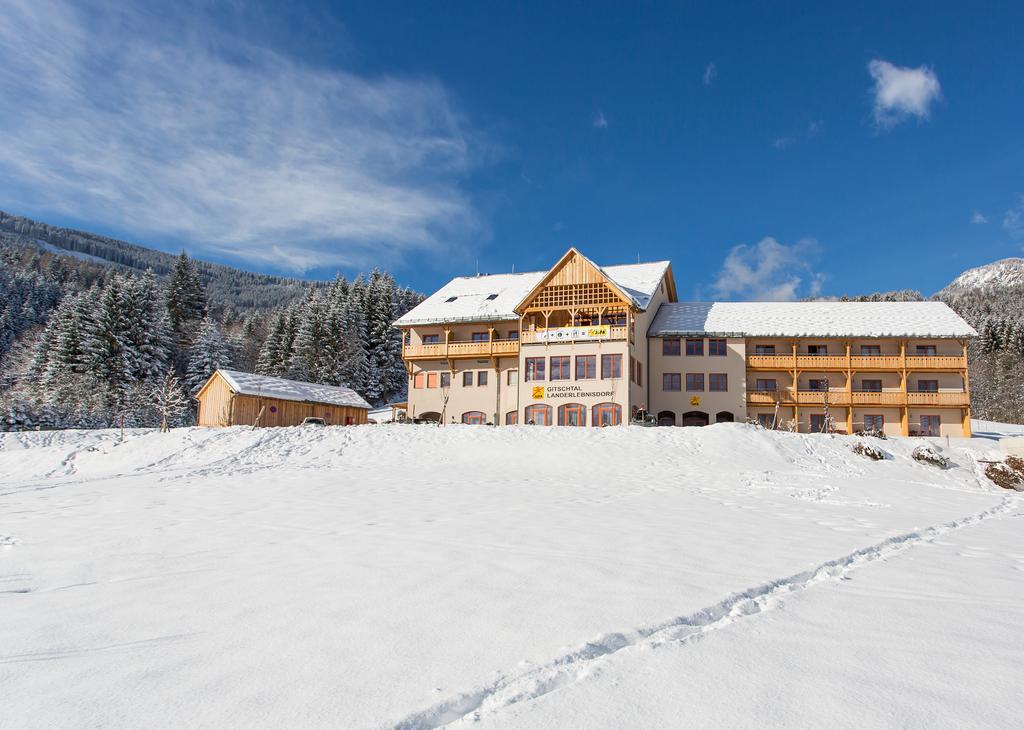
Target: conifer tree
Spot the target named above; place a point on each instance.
(209, 352)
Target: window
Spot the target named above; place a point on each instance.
(572, 414)
(817, 384)
(431, 339)
(926, 350)
(632, 369)
(870, 350)
(764, 349)
(586, 367)
(670, 346)
(419, 380)
(449, 300)
(467, 378)
(481, 377)
(446, 380)
(766, 420)
(871, 386)
(874, 423)
(607, 414)
(817, 349)
(694, 382)
(513, 334)
(930, 425)
(479, 337)
(491, 297)
(716, 348)
(927, 386)
(476, 418)
(671, 381)
(560, 368)
(511, 418)
(513, 377)
(538, 414)
(818, 423)
(694, 346)
(611, 366)
(718, 382)
(432, 380)
(639, 373)
(534, 369)
(766, 384)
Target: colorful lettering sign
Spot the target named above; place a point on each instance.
(568, 334)
(538, 392)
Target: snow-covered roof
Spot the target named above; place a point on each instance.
(267, 386)
(494, 297)
(810, 319)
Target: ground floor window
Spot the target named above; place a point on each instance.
(431, 416)
(874, 423)
(607, 414)
(572, 414)
(724, 417)
(512, 418)
(766, 420)
(476, 418)
(818, 423)
(666, 418)
(538, 414)
(696, 418)
(930, 425)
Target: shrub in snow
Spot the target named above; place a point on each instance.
(928, 455)
(873, 433)
(867, 450)
(1007, 474)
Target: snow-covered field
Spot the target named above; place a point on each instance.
(411, 576)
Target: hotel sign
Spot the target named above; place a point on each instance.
(540, 392)
(568, 334)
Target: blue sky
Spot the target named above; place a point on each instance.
(768, 152)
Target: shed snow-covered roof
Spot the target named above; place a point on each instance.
(267, 386)
(494, 297)
(810, 319)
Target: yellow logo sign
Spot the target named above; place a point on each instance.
(694, 401)
(538, 392)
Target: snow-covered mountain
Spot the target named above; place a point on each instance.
(997, 275)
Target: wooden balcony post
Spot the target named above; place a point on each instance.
(904, 404)
(447, 333)
(966, 412)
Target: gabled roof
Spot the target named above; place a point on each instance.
(494, 298)
(809, 319)
(267, 386)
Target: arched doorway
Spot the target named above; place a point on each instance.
(724, 417)
(607, 414)
(511, 418)
(696, 418)
(474, 418)
(538, 414)
(428, 417)
(667, 418)
(572, 414)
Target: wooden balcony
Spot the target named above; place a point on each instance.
(614, 333)
(769, 362)
(892, 398)
(769, 397)
(936, 362)
(937, 399)
(459, 350)
(883, 398)
(830, 363)
(817, 397)
(875, 362)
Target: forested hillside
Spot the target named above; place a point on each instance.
(90, 339)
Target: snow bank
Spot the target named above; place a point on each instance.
(411, 576)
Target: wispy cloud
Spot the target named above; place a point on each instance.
(600, 121)
(979, 218)
(781, 143)
(162, 126)
(710, 72)
(901, 92)
(770, 271)
(1013, 220)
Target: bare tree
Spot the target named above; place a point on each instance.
(170, 400)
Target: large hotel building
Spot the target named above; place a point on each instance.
(588, 345)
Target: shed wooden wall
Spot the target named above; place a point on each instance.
(215, 403)
(290, 413)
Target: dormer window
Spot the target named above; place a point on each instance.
(491, 296)
(449, 300)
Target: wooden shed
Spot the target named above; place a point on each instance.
(233, 398)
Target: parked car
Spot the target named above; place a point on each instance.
(312, 421)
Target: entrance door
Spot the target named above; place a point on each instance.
(696, 418)
(929, 425)
(572, 414)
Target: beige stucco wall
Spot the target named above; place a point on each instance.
(948, 382)
(891, 419)
(733, 364)
(950, 423)
(642, 395)
(492, 399)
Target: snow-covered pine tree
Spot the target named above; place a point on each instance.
(186, 301)
(309, 360)
(149, 347)
(106, 345)
(355, 369)
(385, 356)
(209, 352)
(272, 357)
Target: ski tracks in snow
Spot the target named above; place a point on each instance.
(575, 666)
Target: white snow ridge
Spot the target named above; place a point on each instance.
(420, 577)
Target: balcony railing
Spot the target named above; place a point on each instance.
(936, 362)
(442, 350)
(938, 399)
(856, 398)
(614, 333)
(857, 362)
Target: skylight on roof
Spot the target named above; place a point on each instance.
(450, 299)
(492, 296)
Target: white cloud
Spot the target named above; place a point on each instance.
(979, 218)
(769, 271)
(781, 143)
(901, 92)
(600, 122)
(814, 127)
(164, 127)
(1013, 220)
(710, 72)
